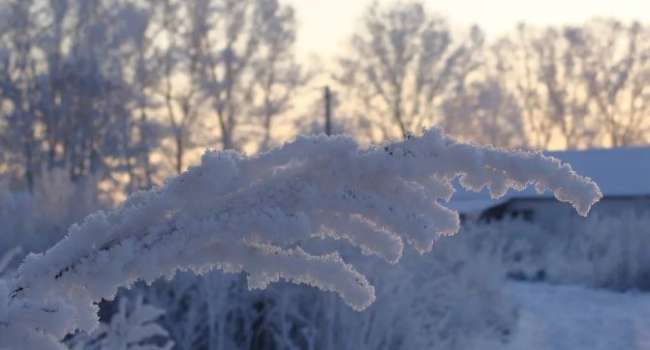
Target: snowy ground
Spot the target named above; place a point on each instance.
(577, 318)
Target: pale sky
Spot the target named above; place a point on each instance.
(325, 24)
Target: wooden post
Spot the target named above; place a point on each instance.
(328, 111)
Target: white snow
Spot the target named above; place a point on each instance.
(578, 318)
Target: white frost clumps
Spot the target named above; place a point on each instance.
(252, 214)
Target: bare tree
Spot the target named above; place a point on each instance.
(225, 42)
(180, 88)
(548, 75)
(142, 76)
(518, 73)
(75, 80)
(278, 74)
(86, 85)
(235, 41)
(487, 113)
(616, 58)
(402, 64)
(17, 84)
(583, 86)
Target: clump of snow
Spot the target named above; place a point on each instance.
(252, 214)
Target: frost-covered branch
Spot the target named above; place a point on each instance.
(252, 214)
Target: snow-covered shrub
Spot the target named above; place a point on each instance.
(35, 221)
(445, 300)
(449, 299)
(212, 311)
(519, 247)
(600, 251)
(6, 258)
(59, 201)
(606, 252)
(235, 213)
(18, 220)
(5, 261)
(133, 327)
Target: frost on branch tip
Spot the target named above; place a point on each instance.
(252, 214)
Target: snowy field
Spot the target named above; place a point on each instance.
(578, 318)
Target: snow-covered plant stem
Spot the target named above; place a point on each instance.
(252, 214)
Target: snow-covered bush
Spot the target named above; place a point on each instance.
(600, 251)
(448, 299)
(213, 311)
(235, 213)
(445, 300)
(519, 247)
(604, 252)
(35, 221)
(133, 327)
(17, 216)
(6, 258)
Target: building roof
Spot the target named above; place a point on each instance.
(617, 171)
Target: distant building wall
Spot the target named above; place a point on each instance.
(549, 213)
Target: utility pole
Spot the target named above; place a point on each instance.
(328, 111)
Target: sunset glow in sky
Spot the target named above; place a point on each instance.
(325, 24)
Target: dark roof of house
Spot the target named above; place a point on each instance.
(619, 172)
